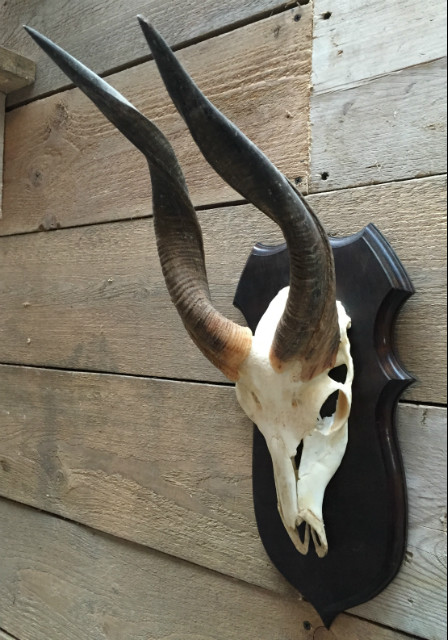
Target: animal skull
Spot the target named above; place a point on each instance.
(282, 372)
(286, 410)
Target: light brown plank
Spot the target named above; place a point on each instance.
(94, 298)
(106, 35)
(168, 465)
(364, 39)
(64, 582)
(390, 128)
(66, 165)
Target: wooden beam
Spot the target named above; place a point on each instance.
(168, 465)
(15, 72)
(62, 581)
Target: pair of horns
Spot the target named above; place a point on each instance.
(308, 330)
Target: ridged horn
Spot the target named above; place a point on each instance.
(179, 237)
(308, 329)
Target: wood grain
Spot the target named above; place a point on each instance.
(168, 465)
(355, 40)
(389, 128)
(94, 298)
(66, 165)
(106, 34)
(65, 582)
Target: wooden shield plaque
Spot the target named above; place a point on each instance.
(365, 508)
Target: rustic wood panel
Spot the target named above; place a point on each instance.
(358, 39)
(105, 34)
(64, 582)
(66, 165)
(390, 128)
(168, 465)
(94, 298)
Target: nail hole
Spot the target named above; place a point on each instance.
(298, 180)
(307, 626)
(302, 3)
(339, 374)
(325, 175)
(329, 406)
(327, 15)
(297, 18)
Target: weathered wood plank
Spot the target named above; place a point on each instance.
(15, 72)
(106, 34)
(94, 298)
(355, 40)
(390, 128)
(66, 165)
(142, 459)
(65, 582)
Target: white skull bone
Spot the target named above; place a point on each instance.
(287, 412)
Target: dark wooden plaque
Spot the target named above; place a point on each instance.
(365, 509)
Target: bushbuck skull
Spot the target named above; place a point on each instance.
(282, 372)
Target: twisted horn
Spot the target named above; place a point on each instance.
(179, 237)
(308, 329)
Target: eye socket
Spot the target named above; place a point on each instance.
(329, 407)
(339, 374)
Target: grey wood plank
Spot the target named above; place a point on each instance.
(389, 128)
(65, 582)
(66, 165)
(94, 298)
(355, 40)
(105, 34)
(168, 465)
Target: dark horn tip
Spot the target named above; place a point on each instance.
(145, 24)
(153, 38)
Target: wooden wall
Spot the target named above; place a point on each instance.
(125, 476)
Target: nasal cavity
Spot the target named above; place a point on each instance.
(328, 409)
(299, 454)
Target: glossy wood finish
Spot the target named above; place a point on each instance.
(365, 507)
